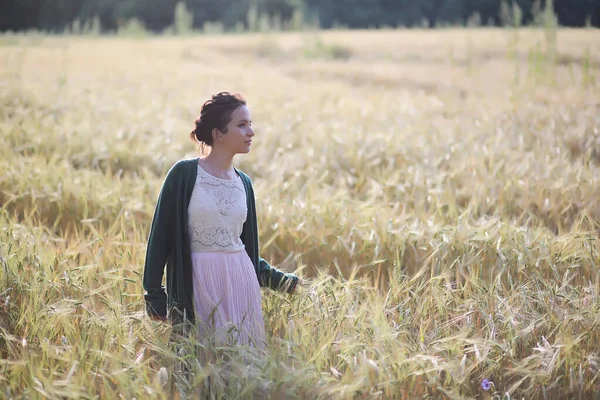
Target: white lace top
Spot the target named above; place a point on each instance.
(216, 213)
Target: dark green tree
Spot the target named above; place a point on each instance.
(55, 15)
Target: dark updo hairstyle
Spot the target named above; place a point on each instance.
(216, 113)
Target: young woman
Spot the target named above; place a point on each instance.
(204, 229)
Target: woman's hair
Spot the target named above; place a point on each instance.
(216, 113)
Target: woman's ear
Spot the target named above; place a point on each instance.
(217, 136)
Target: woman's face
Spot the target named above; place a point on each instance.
(238, 138)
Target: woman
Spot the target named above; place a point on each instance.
(204, 229)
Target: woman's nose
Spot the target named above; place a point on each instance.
(251, 131)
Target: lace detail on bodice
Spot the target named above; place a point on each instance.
(216, 213)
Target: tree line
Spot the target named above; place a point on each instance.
(158, 15)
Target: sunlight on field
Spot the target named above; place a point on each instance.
(439, 188)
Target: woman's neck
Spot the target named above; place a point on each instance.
(219, 162)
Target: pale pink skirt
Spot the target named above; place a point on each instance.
(227, 299)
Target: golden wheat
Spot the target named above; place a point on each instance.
(440, 189)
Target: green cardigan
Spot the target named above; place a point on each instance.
(169, 244)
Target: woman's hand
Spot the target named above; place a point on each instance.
(301, 283)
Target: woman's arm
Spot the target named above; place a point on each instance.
(158, 250)
(275, 279)
(268, 276)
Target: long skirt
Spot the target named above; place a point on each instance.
(227, 299)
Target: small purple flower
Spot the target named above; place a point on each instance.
(486, 384)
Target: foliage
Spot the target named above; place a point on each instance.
(158, 15)
(317, 48)
(184, 20)
(132, 27)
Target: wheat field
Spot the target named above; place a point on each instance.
(438, 189)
